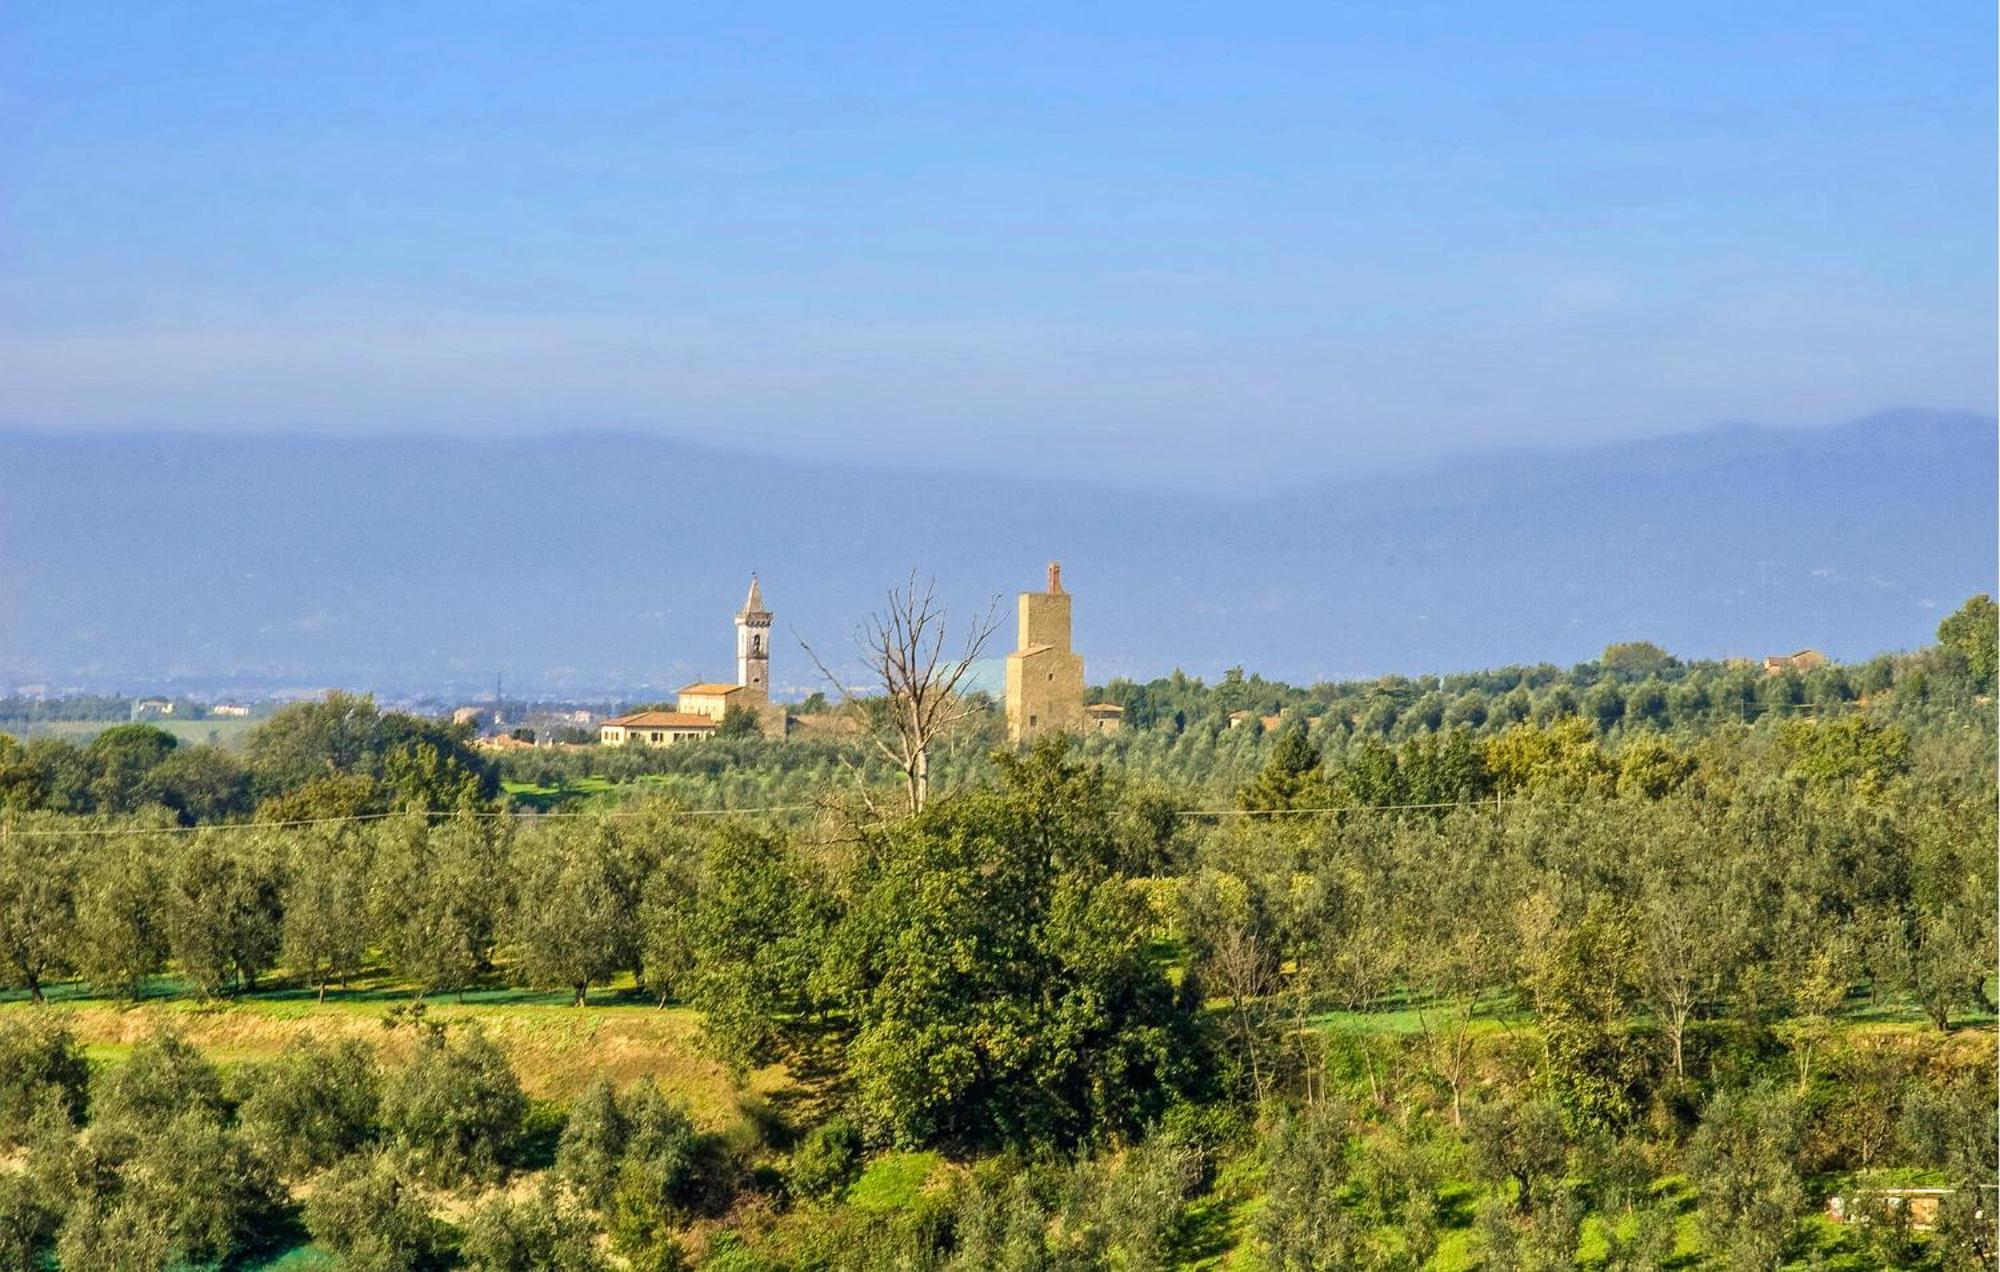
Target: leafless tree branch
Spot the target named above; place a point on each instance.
(903, 646)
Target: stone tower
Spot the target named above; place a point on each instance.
(1044, 675)
(753, 643)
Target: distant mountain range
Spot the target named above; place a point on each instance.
(610, 563)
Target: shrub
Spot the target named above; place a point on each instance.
(188, 1190)
(369, 1215)
(163, 1079)
(28, 1220)
(1303, 1224)
(455, 1110)
(313, 1106)
(661, 1177)
(41, 1068)
(1139, 1202)
(530, 1236)
(827, 1161)
(101, 1237)
(592, 1143)
(1749, 1189)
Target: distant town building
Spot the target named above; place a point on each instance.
(473, 716)
(1104, 717)
(506, 742)
(152, 708)
(230, 710)
(753, 643)
(655, 728)
(702, 706)
(1802, 661)
(714, 700)
(1044, 675)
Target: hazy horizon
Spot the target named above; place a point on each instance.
(1327, 239)
(610, 563)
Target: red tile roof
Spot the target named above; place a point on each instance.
(663, 720)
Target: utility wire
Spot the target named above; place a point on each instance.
(523, 814)
(529, 814)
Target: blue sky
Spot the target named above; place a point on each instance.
(1185, 244)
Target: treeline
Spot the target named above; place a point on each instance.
(1207, 739)
(1880, 829)
(17, 709)
(336, 757)
(1634, 684)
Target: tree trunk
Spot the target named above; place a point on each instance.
(1939, 1010)
(582, 995)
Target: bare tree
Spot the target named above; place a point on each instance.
(903, 647)
(1248, 973)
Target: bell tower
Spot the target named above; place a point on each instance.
(753, 643)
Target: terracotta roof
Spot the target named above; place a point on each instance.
(713, 688)
(1109, 708)
(503, 744)
(663, 720)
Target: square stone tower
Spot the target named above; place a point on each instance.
(1044, 675)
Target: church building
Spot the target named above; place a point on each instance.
(703, 705)
(1044, 675)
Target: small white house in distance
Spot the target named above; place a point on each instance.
(655, 728)
(232, 710)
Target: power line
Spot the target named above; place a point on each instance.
(521, 814)
(1339, 808)
(529, 814)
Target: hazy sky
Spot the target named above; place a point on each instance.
(1245, 239)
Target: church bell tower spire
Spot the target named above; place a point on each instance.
(753, 642)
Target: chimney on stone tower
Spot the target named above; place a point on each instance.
(1055, 578)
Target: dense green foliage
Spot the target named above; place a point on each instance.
(1629, 967)
(334, 757)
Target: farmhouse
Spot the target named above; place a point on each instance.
(1803, 660)
(655, 728)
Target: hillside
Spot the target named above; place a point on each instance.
(594, 562)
